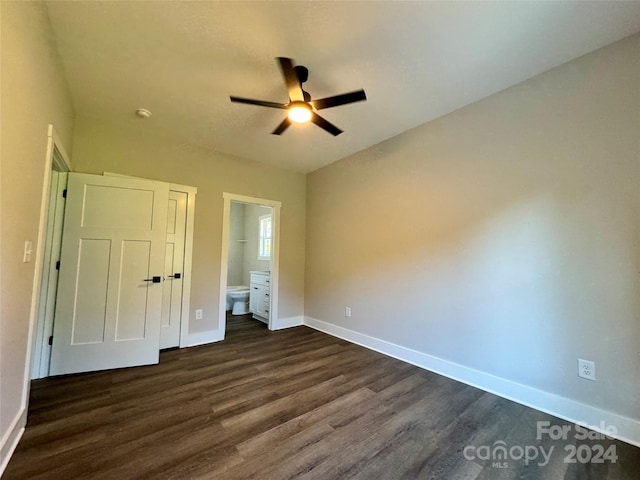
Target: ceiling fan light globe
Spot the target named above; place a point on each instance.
(299, 113)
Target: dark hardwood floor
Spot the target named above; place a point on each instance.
(291, 404)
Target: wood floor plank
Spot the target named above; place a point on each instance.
(264, 442)
(299, 448)
(292, 404)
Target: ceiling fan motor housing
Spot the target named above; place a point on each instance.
(302, 72)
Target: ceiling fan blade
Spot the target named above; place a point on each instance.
(291, 79)
(282, 127)
(261, 103)
(328, 102)
(322, 123)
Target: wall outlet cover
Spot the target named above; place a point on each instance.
(587, 369)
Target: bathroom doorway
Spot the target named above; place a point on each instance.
(249, 260)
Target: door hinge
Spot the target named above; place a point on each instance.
(58, 265)
(51, 340)
(64, 193)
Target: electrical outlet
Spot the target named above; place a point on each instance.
(587, 369)
(199, 314)
(347, 311)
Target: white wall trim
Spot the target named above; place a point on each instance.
(49, 282)
(224, 264)
(56, 159)
(11, 438)
(38, 261)
(211, 336)
(202, 338)
(565, 408)
(63, 163)
(254, 200)
(288, 322)
(274, 293)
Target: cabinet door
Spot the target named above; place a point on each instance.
(260, 300)
(254, 294)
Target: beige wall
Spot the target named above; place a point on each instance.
(236, 244)
(252, 246)
(504, 237)
(100, 147)
(34, 94)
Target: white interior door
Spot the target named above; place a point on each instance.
(108, 307)
(172, 288)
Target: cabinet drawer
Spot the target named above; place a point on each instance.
(258, 279)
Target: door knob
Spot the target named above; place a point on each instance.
(153, 279)
(175, 275)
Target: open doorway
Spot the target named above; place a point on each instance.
(249, 260)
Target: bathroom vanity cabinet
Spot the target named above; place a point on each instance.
(260, 295)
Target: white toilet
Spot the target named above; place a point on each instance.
(238, 300)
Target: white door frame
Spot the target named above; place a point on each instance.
(56, 159)
(49, 283)
(224, 257)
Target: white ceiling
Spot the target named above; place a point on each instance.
(416, 61)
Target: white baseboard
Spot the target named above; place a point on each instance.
(628, 428)
(202, 338)
(287, 322)
(211, 336)
(11, 438)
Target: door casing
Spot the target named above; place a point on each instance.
(49, 283)
(56, 159)
(224, 257)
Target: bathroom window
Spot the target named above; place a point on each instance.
(264, 252)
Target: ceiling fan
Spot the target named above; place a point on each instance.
(300, 107)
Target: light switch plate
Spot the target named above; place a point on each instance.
(28, 250)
